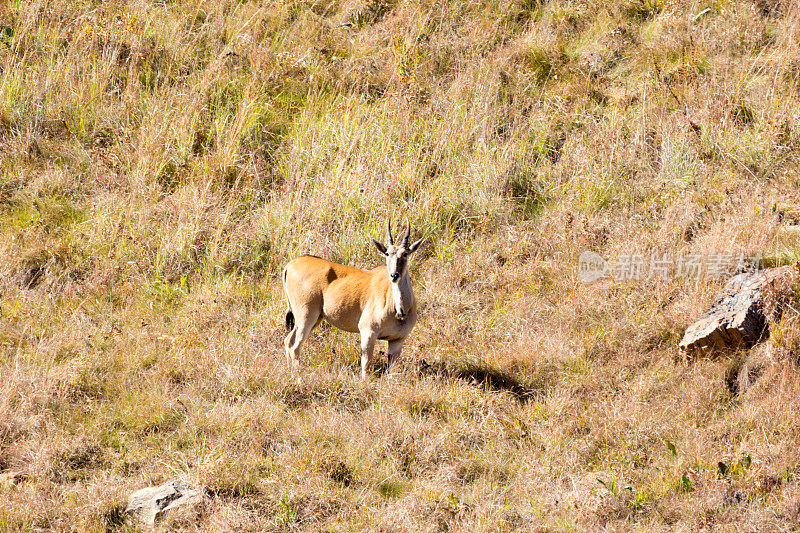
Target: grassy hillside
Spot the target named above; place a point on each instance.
(161, 160)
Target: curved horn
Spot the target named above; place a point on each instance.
(406, 234)
(389, 239)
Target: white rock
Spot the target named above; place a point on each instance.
(147, 504)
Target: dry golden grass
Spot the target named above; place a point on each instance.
(161, 160)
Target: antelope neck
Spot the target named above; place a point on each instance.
(402, 296)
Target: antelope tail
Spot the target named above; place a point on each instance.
(289, 314)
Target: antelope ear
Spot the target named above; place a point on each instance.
(379, 245)
(416, 245)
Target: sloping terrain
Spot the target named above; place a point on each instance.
(161, 160)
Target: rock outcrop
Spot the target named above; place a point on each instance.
(739, 318)
(147, 504)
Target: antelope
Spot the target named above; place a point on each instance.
(378, 304)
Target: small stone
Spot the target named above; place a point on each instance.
(147, 504)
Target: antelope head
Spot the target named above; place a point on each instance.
(397, 255)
